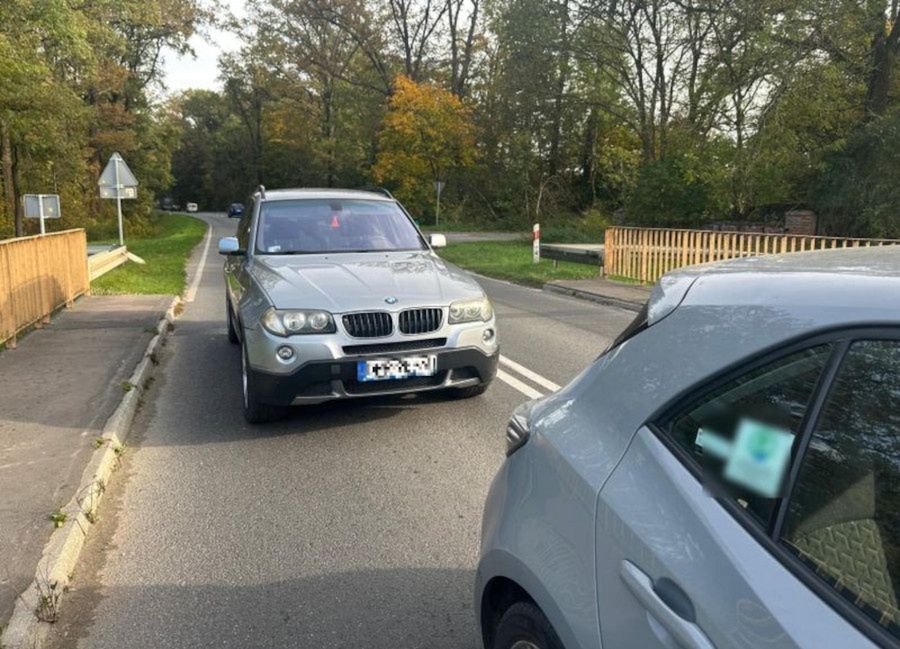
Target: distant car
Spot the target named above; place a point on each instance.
(724, 476)
(191, 207)
(336, 294)
(236, 210)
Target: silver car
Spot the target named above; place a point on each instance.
(336, 293)
(726, 475)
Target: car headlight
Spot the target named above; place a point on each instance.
(288, 323)
(471, 310)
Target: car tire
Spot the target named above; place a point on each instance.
(255, 411)
(232, 329)
(524, 626)
(472, 391)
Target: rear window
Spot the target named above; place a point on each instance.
(309, 226)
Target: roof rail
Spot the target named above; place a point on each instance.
(376, 190)
(262, 191)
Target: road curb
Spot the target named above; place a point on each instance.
(54, 571)
(593, 297)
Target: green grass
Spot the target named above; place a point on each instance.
(166, 253)
(511, 260)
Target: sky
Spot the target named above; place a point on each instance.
(201, 71)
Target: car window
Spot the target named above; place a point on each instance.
(843, 517)
(331, 225)
(743, 433)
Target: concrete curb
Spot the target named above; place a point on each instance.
(593, 297)
(54, 571)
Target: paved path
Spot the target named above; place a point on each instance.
(57, 388)
(603, 291)
(472, 237)
(347, 525)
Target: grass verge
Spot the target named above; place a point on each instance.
(166, 252)
(511, 260)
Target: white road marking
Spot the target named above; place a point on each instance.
(524, 388)
(534, 377)
(198, 272)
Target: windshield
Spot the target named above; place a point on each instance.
(308, 226)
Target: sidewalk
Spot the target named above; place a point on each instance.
(57, 388)
(603, 291)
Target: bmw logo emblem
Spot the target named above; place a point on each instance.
(390, 299)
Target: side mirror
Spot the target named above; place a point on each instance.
(437, 240)
(230, 246)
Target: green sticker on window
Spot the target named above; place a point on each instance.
(759, 457)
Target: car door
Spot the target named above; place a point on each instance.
(690, 545)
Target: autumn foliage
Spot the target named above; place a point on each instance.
(427, 135)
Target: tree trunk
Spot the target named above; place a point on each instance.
(328, 133)
(11, 201)
(561, 80)
(878, 88)
(882, 60)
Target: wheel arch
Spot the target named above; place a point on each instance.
(507, 580)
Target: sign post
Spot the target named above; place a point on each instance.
(119, 183)
(536, 243)
(438, 187)
(42, 206)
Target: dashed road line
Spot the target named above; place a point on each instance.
(534, 377)
(513, 382)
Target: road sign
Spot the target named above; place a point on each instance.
(117, 182)
(42, 206)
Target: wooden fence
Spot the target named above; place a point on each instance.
(646, 254)
(39, 275)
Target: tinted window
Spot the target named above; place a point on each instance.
(743, 433)
(315, 226)
(843, 518)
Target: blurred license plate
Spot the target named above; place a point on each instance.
(386, 369)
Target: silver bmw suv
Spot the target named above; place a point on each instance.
(336, 293)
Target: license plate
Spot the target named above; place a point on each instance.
(387, 369)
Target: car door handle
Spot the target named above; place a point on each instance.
(676, 614)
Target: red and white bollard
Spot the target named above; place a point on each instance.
(536, 243)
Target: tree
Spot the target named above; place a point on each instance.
(859, 194)
(426, 136)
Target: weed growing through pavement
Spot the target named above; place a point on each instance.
(48, 596)
(127, 386)
(59, 518)
(98, 442)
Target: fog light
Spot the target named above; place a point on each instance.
(285, 353)
(488, 335)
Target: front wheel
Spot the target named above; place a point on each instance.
(524, 626)
(255, 411)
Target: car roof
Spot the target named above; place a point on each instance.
(313, 193)
(853, 277)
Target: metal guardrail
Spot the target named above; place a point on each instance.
(103, 262)
(591, 254)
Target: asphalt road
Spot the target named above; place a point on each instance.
(347, 525)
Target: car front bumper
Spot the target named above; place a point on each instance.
(324, 380)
